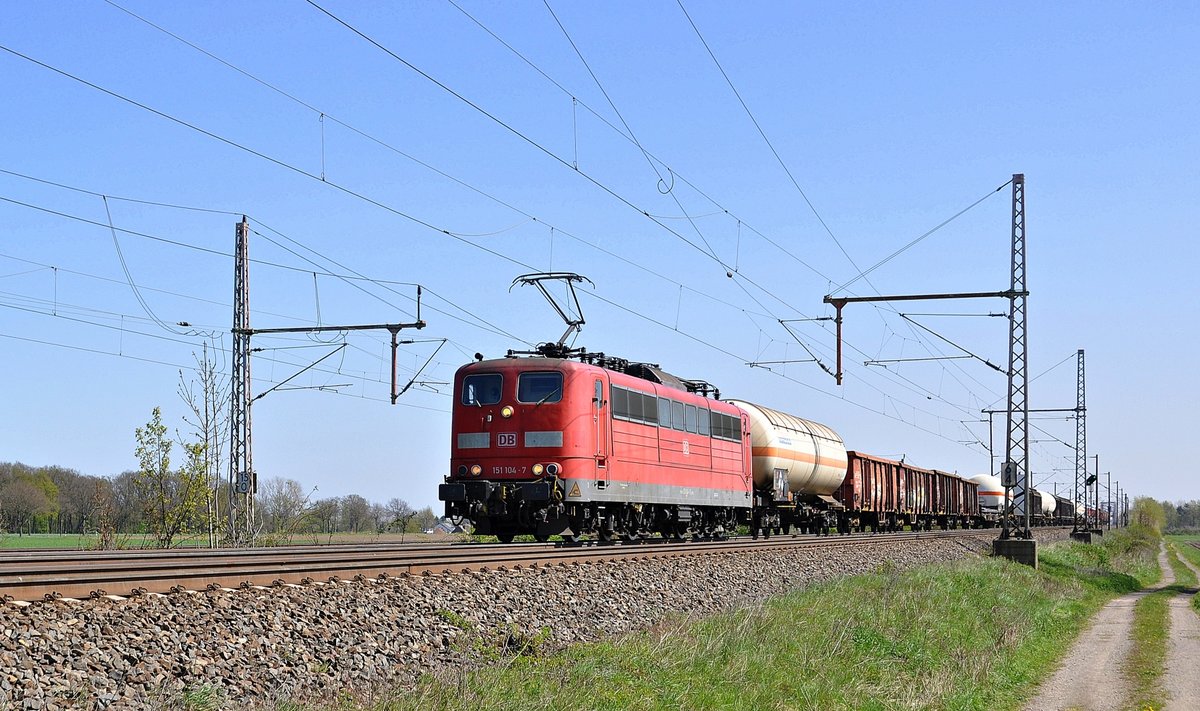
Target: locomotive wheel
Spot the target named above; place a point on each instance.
(571, 537)
(607, 536)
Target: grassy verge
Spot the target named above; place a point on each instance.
(1151, 634)
(972, 634)
(1183, 545)
(1143, 668)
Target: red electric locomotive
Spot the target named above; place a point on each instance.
(546, 445)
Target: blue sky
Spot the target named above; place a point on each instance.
(891, 118)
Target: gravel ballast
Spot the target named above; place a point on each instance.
(256, 647)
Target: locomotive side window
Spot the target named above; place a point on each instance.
(677, 421)
(482, 389)
(690, 419)
(634, 406)
(664, 412)
(540, 387)
(650, 409)
(620, 403)
(705, 420)
(726, 427)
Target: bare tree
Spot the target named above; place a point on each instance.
(356, 511)
(208, 400)
(325, 514)
(20, 501)
(282, 504)
(127, 507)
(400, 514)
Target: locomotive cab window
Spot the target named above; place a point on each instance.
(540, 387)
(482, 389)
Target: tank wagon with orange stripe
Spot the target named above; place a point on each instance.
(797, 466)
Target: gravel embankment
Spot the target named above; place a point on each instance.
(255, 647)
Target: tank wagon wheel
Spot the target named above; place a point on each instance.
(541, 537)
(504, 537)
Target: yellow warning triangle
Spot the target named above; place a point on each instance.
(574, 490)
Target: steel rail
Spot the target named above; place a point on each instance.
(45, 575)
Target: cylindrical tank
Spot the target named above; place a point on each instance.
(809, 456)
(1047, 503)
(991, 491)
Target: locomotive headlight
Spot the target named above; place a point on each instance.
(537, 469)
(462, 469)
(552, 469)
(476, 470)
(506, 411)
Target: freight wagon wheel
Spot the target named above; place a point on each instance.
(504, 537)
(541, 537)
(571, 537)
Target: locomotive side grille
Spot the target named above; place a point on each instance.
(474, 440)
(544, 439)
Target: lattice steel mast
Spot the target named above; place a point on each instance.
(1016, 460)
(1080, 449)
(242, 482)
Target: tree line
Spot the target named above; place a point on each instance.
(53, 499)
(1182, 516)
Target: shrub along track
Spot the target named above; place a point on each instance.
(47, 575)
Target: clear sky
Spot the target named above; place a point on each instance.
(603, 139)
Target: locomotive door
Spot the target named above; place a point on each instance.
(600, 422)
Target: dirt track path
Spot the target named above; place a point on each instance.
(1090, 677)
(1180, 679)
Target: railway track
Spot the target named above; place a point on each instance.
(47, 575)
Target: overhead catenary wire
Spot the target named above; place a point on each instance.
(237, 145)
(323, 114)
(636, 142)
(604, 120)
(356, 276)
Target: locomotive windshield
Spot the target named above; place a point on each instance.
(540, 387)
(482, 389)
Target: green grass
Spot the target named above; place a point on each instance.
(86, 541)
(1144, 667)
(1183, 545)
(975, 634)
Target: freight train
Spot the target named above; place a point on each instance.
(570, 443)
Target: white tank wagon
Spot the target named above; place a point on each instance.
(1048, 504)
(797, 465)
(991, 492)
(807, 457)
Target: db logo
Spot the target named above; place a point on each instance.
(687, 450)
(506, 439)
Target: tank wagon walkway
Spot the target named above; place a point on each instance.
(1091, 677)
